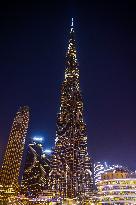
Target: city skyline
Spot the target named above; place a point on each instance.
(108, 93)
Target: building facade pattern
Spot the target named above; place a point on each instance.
(117, 187)
(36, 171)
(71, 174)
(13, 156)
(101, 168)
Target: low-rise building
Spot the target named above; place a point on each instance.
(117, 187)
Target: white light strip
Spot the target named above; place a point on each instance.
(121, 195)
(119, 190)
(123, 179)
(72, 24)
(119, 201)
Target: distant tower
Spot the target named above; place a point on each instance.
(36, 171)
(13, 156)
(71, 174)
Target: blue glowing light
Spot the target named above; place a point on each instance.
(48, 151)
(38, 138)
(72, 22)
(106, 164)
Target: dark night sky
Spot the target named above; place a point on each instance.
(33, 43)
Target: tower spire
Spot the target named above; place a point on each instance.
(70, 175)
(72, 23)
(71, 55)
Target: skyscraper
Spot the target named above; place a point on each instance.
(36, 171)
(13, 156)
(71, 174)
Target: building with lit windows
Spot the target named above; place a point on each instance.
(101, 168)
(117, 187)
(36, 170)
(10, 170)
(71, 167)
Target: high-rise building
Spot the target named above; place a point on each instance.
(36, 171)
(13, 156)
(71, 174)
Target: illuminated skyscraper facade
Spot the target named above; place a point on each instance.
(36, 171)
(71, 174)
(13, 156)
